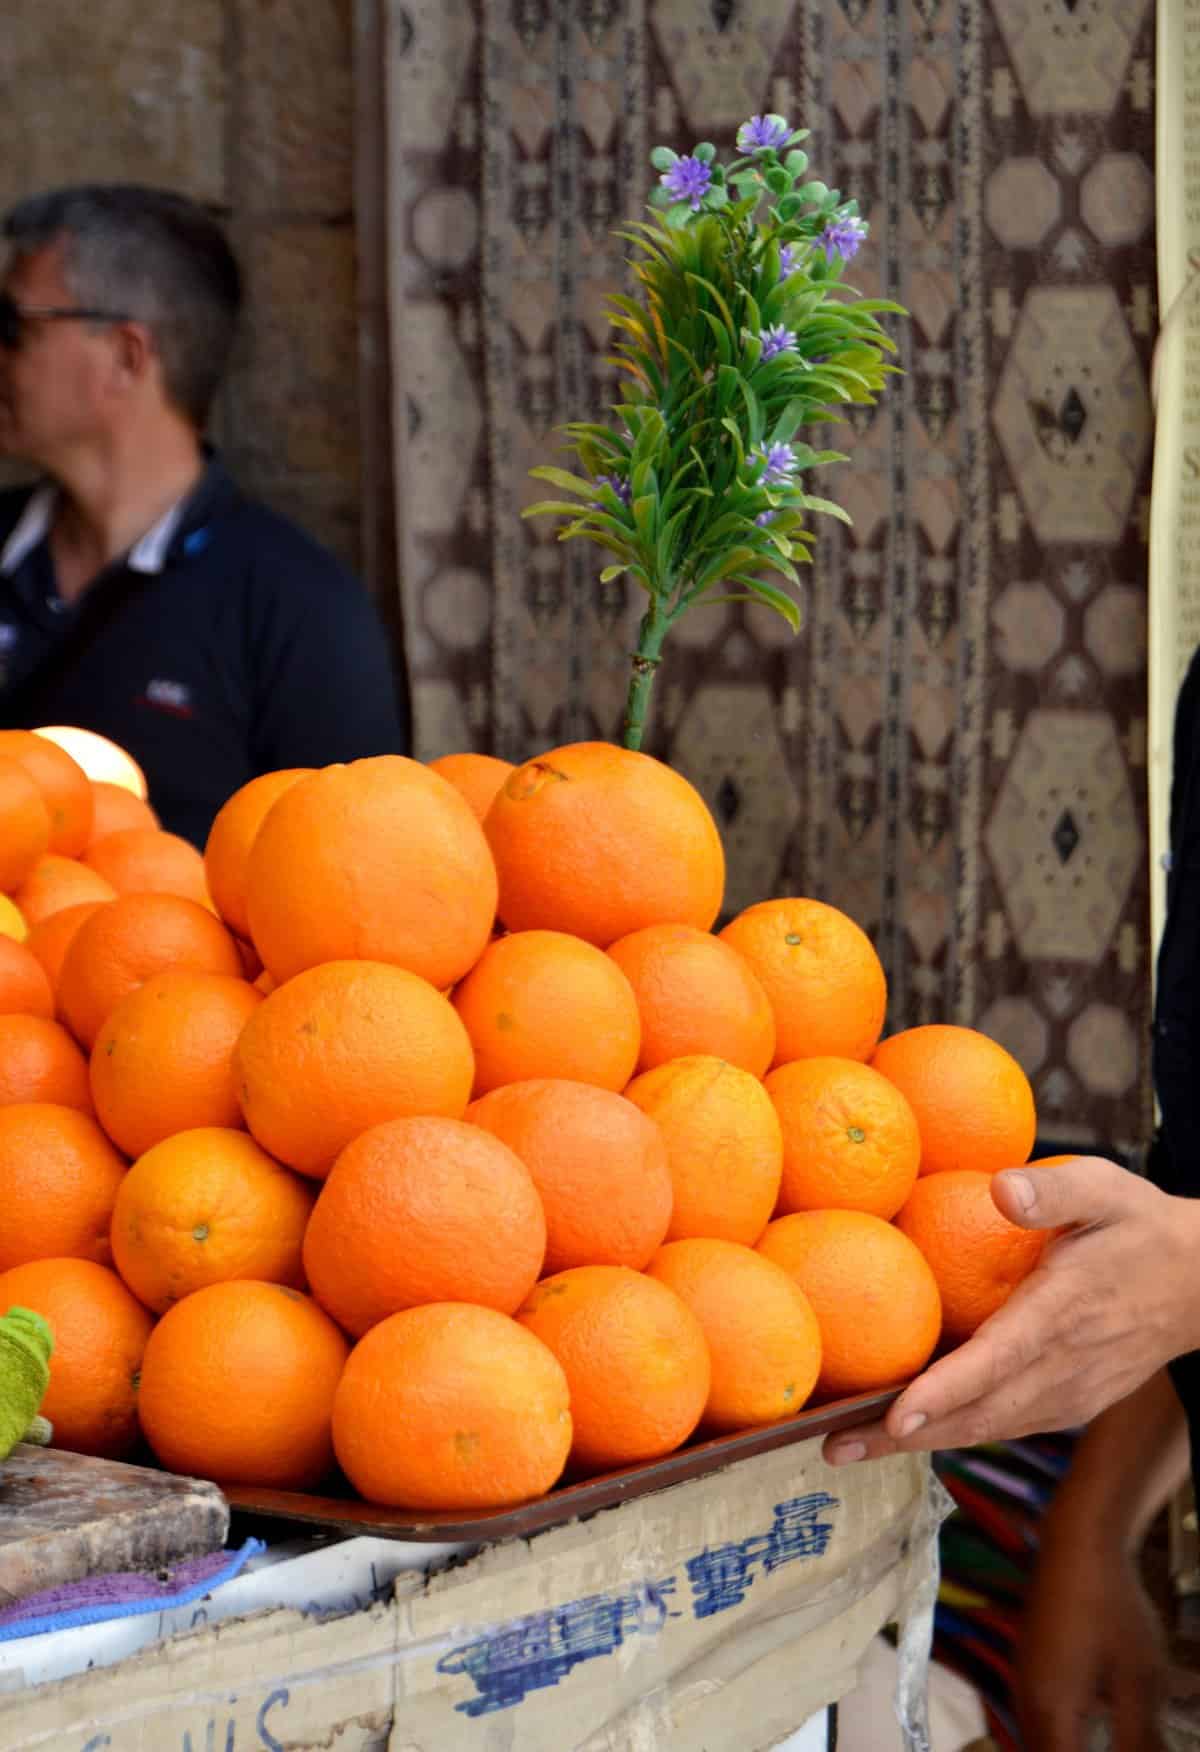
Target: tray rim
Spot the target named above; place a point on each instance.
(567, 1503)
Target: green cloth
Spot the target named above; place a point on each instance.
(26, 1342)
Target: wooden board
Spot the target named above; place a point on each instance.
(64, 1517)
(570, 1502)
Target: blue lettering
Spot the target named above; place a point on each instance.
(265, 1736)
(721, 1575)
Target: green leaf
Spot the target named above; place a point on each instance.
(828, 507)
(717, 197)
(611, 572)
(705, 152)
(796, 163)
(775, 598)
(551, 508)
(754, 414)
(662, 158)
(789, 206)
(777, 179)
(558, 477)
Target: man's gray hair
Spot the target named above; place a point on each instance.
(150, 255)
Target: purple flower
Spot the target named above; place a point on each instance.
(842, 237)
(619, 485)
(762, 134)
(781, 464)
(688, 179)
(776, 340)
(787, 260)
(764, 517)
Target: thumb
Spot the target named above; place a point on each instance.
(1082, 1191)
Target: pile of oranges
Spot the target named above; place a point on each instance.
(424, 1128)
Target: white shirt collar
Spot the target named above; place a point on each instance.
(148, 554)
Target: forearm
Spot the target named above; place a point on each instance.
(1126, 1468)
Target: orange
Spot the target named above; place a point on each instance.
(762, 1334)
(127, 943)
(636, 1361)
(24, 824)
(59, 1177)
(977, 1256)
(51, 939)
(449, 1407)
(850, 1139)
(542, 1004)
(724, 1147)
(56, 883)
(476, 776)
(238, 1383)
(381, 860)
(163, 1061)
(695, 995)
(205, 1206)
(40, 1062)
(24, 988)
(100, 1332)
(423, 1210)
(100, 758)
(115, 808)
(233, 833)
(145, 860)
(600, 841)
(344, 1047)
(820, 971)
(600, 1167)
(65, 787)
(973, 1102)
(874, 1297)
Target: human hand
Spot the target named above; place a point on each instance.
(1112, 1300)
(1091, 1641)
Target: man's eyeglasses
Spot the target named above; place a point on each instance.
(14, 316)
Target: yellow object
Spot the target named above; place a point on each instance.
(12, 922)
(99, 758)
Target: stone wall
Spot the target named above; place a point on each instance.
(247, 104)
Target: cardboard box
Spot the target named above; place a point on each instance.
(719, 1614)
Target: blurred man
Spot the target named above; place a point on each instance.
(142, 595)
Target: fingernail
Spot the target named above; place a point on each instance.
(916, 1420)
(847, 1455)
(1022, 1190)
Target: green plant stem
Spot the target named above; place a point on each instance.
(646, 659)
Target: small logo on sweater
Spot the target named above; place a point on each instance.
(174, 697)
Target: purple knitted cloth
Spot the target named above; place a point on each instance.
(124, 1595)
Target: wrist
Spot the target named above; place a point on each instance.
(1184, 1218)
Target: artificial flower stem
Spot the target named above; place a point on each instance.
(646, 659)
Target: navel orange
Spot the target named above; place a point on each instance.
(238, 1383)
(820, 971)
(126, 943)
(344, 1047)
(40, 1062)
(724, 1147)
(115, 808)
(695, 995)
(477, 776)
(599, 841)
(24, 824)
(976, 1255)
(381, 860)
(65, 788)
(205, 1206)
(874, 1296)
(163, 1061)
(544, 1004)
(850, 1139)
(100, 1332)
(145, 860)
(424, 1210)
(24, 987)
(635, 1358)
(55, 883)
(451, 1406)
(973, 1102)
(234, 832)
(599, 1165)
(59, 1178)
(762, 1334)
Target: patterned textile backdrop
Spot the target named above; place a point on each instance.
(953, 749)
